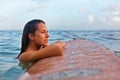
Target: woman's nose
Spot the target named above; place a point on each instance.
(47, 35)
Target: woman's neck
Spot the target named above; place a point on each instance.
(32, 47)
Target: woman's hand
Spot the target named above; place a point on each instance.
(60, 43)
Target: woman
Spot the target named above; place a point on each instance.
(35, 43)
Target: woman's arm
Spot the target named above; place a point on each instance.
(54, 49)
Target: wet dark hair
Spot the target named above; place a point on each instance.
(30, 27)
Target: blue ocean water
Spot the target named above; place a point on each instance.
(10, 43)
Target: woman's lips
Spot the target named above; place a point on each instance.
(46, 41)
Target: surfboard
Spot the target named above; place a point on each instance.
(81, 60)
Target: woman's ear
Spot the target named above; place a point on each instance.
(31, 36)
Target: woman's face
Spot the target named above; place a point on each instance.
(41, 35)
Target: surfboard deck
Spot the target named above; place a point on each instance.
(81, 60)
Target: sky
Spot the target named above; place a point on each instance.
(61, 14)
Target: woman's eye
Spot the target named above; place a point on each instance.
(42, 32)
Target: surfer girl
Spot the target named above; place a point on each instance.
(34, 43)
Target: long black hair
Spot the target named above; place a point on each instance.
(30, 27)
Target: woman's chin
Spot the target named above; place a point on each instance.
(45, 45)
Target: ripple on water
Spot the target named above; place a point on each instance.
(117, 53)
(13, 73)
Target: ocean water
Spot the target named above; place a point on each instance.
(10, 43)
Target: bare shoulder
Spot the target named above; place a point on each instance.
(28, 56)
(23, 56)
